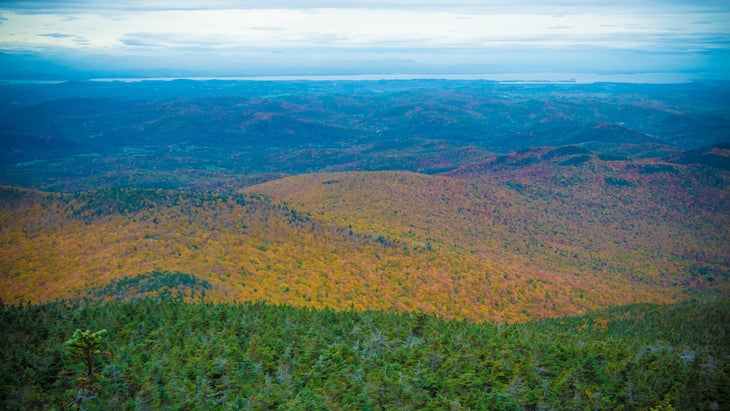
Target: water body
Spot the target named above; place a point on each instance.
(559, 78)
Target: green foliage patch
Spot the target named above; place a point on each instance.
(167, 354)
(162, 284)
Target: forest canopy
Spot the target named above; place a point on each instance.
(176, 355)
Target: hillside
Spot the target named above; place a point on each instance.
(247, 247)
(604, 226)
(563, 233)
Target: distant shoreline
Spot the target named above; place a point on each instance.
(512, 78)
(526, 78)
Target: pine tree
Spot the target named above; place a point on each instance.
(85, 346)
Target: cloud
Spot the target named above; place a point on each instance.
(174, 41)
(537, 6)
(56, 35)
(428, 27)
(268, 28)
(464, 33)
(156, 5)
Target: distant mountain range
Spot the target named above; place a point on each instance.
(78, 136)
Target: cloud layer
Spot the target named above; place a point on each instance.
(683, 35)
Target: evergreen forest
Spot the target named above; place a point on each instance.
(169, 354)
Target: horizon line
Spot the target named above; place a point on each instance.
(521, 78)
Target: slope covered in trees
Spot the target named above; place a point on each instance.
(611, 223)
(166, 354)
(543, 240)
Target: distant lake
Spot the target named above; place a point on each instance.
(522, 78)
(560, 78)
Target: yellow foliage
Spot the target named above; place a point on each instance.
(390, 240)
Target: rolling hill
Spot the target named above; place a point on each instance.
(228, 135)
(541, 233)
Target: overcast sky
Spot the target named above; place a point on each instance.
(222, 37)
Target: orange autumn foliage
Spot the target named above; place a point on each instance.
(480, 249)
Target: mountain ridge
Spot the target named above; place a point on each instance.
(462, 248)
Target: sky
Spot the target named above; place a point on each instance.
(161, 38)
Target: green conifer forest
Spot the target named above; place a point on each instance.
(169, 354)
